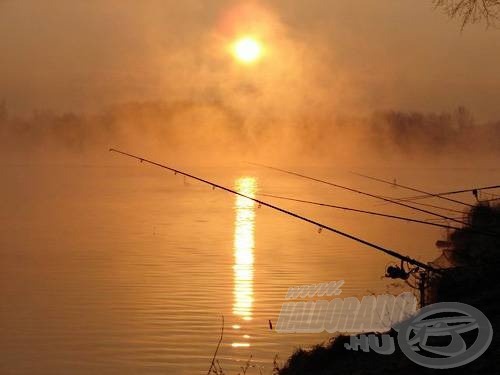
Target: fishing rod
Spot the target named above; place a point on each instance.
(491, 200)
(452, 192)
(321, 226)
(410, 188)
(491, 234)
(361, 192)
(425, 205)
(437, 219)
(402, 218)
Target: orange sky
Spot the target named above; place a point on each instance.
(354, 56)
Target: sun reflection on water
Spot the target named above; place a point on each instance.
(244, 231)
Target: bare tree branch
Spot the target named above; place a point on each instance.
(471, 11)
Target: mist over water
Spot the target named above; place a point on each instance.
(214, 133)
(332, 85)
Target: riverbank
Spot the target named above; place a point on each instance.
(474, 252)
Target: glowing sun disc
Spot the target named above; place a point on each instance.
(247, 50)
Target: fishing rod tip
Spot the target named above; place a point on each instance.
(252, 163)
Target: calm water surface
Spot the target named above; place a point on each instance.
(127, 269)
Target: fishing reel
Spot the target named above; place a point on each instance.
(399, 271)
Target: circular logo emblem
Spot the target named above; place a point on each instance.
(433, 338)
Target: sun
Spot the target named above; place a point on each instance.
(247, 50)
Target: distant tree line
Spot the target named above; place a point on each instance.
(433, 133)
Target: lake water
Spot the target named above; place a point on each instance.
(127, 269)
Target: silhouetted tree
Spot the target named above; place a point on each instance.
(471, 11)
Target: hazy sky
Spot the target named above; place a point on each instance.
(339, 54)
